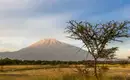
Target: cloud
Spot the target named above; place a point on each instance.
(15, 19)
(6, 5)
(18, 33)
(21, 24)
(24, 8)
(38, 25)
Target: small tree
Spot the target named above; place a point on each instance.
(97, 36)
(128, 59)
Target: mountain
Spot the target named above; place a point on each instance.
(48, 49)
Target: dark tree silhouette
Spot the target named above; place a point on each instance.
(96, 36)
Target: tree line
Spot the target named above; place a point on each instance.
(7, 61)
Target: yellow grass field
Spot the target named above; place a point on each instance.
(41, 72)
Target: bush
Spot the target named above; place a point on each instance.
(104, 68)
(73, 77)
(117, 78)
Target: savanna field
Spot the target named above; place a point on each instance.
(62, 72)
(64, 39)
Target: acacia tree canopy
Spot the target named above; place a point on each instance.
(96, 36)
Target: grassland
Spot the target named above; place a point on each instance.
(49, 72)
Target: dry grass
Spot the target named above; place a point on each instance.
(41, 72)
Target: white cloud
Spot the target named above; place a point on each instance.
(39, 25)
(12, 4)
(18, 29)
(24, 4)
(24, 8)
(17, 33)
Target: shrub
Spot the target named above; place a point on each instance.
(117, 78)
(104, 68)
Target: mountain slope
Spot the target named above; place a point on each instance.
(48, 49)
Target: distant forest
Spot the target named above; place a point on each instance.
(7, 61)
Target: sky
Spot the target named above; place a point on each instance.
(23, 22)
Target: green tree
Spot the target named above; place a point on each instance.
(97, 36)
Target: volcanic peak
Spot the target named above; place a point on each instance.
(46, 42)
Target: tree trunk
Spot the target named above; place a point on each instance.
(95, 69)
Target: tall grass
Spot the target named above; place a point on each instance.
(51, 73)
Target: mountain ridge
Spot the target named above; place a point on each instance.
(48, 49)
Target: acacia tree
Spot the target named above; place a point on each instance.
(97, 36)
(128, 59)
